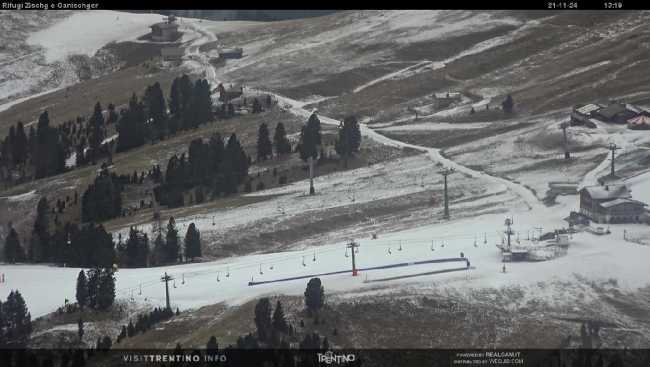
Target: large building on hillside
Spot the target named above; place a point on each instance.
(165, 31)
(610, 204)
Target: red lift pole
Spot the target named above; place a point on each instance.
(352, 245)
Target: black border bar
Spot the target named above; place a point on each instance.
(153, 5)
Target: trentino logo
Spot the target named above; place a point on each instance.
(329, 357)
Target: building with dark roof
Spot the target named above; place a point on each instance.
(172, 53)
(231, 53)
(610, 204)
(616, 113)
(165, 31)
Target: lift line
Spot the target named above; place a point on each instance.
(390, 266)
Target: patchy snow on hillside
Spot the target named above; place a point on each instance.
(20, 197)
(88, 31)
(432, 126)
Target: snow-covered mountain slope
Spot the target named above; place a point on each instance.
(44, 50)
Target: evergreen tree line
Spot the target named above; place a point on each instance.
(144, 322)
(70, 245)
(15, 322)
(102, 200)
(152, 118)
(43, 151)
(40, 154)
(167, 247)
(218, 167)
(265, 146)
(90, 245)
(96, 288)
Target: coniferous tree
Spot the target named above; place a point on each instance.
(173, 243)
(82, 290)
(94, 277)
(137, 249)
(264, 146)
(131, 126)
(310, 138)
(212, 346)
(13, 250)
(18, 321)
(314, 295)
(234, 166)
(106, 289)
(102, 200)
(130, 330)
(257, 107)
(263, 320)
(39, 249)
(49, 157)
(97, 131)
(156, 111)
(192, 242)
(349, 139)
(112, 115)
(508, 104)
(106, 343)
(159, 256)
(280, 141)
(90, 246)
(279, 321)
(20, 144)
(80, 329)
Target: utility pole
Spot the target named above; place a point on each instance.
(166, 278)
(311, 176)
(613, 148)
(509, 223)
(565, 125)
(446, 172)
(352, 245)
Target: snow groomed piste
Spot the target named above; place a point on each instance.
(390, 266)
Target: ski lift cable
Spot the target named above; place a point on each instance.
(289, 258)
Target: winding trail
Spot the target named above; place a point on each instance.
(298, 109)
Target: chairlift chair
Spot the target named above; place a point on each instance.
(346, 252)
(303, 261)
(261, 272)
(227, 272)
